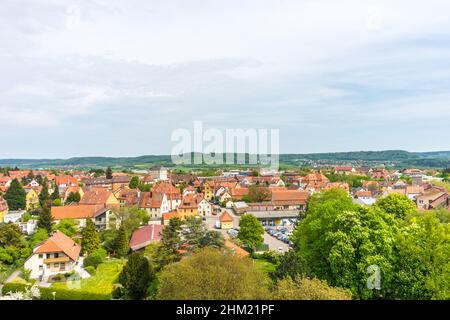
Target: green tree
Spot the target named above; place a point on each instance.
(131, 218)
(170, 243)
(250, 231)
(212, 274)
(199, 236)
(11, 235)
(73, 197)
(108, 173)
(291, 265)
(396, 204)
(258, 194)
(422, 259)
(121, 243)
(66, 226)
(55, 194)
(339, 240)
(45, 219)
(44, 195)
(136, 276)
(91, 240)
(134, 183)
(40, 235)
(308, 289)
(15, 196)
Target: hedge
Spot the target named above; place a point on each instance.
(61, 294)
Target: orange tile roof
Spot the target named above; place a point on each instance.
(96, 196)
(236, 249)
(226, 217)
(59, 242)
(76, 211)
(289, 197)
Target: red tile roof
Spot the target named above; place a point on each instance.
(226, 217)
(76, 211)
(289, 197)
(145, 235)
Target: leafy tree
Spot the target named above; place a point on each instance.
(95, 258)
(258, 194)
(212, 274)
(15, 196)
(55, 194)
(136, 277)
(170, 243)
(339, 240)
(291, 265)
(396, 204)
(40, 235)
(132, 217)
(250, 231)
(44, 195)
(308, 289)
(134, 183)
(198, 235)
(90, 241)
(56, 203)
(11, 235)
(422, 259)
(108, 173)
(108, 239)
(66, 226)
(73, 197)
(45, 219)
(144, 187)
(121, 242)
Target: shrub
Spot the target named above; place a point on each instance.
(95, 258)
(61, 294)
(90, 269)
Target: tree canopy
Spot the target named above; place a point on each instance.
(15, 196)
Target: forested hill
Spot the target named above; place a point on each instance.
(438, 159)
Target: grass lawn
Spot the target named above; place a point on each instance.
(103, 280)
(264, 265)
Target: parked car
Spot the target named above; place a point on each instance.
(217, 225)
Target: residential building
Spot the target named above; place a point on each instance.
(32, 200)
(57, 254)
(101, 215)
(3, 209)
(100, 196)
(226, 221)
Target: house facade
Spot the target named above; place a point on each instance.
(57, 254)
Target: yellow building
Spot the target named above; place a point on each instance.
(226, 221)
(3, 209)
(32, 200)
(188, 207)
(208, 193)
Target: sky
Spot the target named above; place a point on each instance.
(116, 78)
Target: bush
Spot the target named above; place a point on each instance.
(90, 269)
(61, 294)
(95, 258)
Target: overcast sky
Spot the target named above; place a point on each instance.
(115, 78)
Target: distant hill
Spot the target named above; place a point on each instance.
(400, 158)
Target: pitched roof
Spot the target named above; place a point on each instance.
(236, 249)
(77, 211)
(143, 236)
(96, 196)
(226, 217)
(59, 242)
(289, 197)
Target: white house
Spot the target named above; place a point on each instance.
(57, 254)
(204, 208)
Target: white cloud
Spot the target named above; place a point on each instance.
(148, 67)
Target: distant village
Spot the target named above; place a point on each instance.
(277, 199)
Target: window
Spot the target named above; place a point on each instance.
(62, 267)
(56, 255)
(40, 256)
(56, 265)
(41, 267)
(48, 265)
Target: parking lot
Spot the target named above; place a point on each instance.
(273, 243)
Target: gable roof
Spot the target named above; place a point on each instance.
(81, 211)
(226, 217)
(289, 197)
(96, 196)
(143, 236)
(59, 242)
(236, 249)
